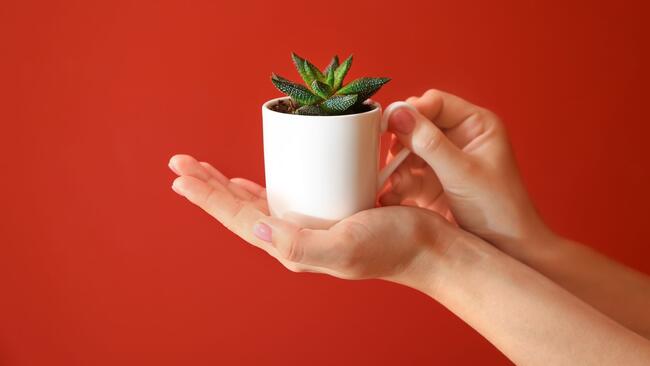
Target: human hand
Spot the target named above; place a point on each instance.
(416, 247)
(393, 243)
(462, 164)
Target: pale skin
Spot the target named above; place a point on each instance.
(457, 224)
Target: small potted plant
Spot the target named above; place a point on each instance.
(324, 93)
(321, 144)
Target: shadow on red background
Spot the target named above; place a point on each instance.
(102, 264)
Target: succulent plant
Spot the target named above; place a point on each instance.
(324, 93)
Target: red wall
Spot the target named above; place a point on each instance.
(102, 264)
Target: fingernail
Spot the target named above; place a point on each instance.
(262, 231)
(173, 169)
(401, 121)
(176, 189)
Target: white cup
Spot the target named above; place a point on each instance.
(321, 169)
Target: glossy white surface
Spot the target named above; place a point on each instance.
(321, 169)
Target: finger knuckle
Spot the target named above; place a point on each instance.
(210, 199)
(428, 140)
(238, 211)
(432, 93)
(486, 117)
(294, 250)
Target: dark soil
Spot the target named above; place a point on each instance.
(289, 106)
(360, 108)
(284, 106)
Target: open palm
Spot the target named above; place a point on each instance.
(376, 243)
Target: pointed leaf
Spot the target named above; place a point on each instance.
(334, 63)
(280, 78)
(310, 110)
(313, 73)
(364, 87)
(340, 72)
(321, 89)
(308, 72)
(338, 104)
(329, 70)
(299, 62)
(299, 93)
(329, 78)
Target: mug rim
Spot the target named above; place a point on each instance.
(265, 106)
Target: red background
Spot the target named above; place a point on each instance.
(102, 264)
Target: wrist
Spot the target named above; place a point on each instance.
(538, 245)
(533, 239)
(439, 268)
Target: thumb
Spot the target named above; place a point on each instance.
(296, 244)
(426, 140)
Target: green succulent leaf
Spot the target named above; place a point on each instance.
(321, 89)
(363, 87)
(340, 72)
(308, 72)
(338, 104)
(310, 110)
(299, 62)
(329, 70)
(329, 79)
(334, 63)
(324, 92)
(313, 72)
(299, 93)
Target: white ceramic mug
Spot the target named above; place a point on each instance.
(321, 169)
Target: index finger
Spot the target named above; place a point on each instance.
(236, 215)
(459, 119)
(444, 109)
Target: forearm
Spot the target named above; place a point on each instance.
(616, 290)
(525, 315)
